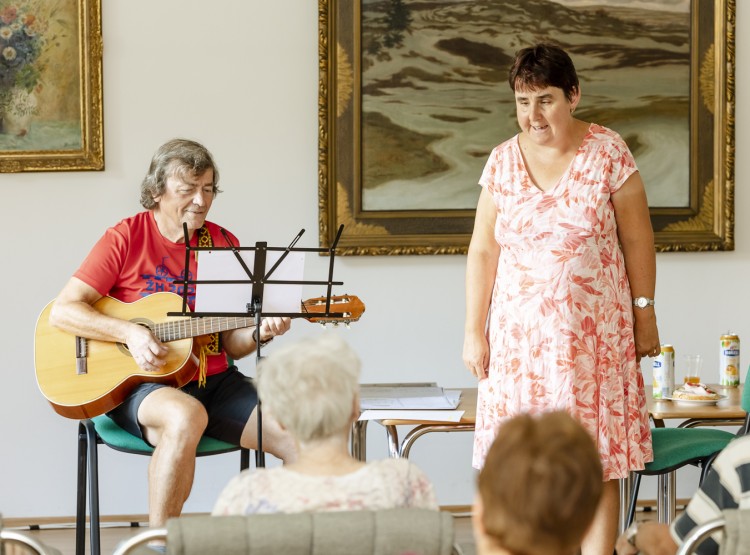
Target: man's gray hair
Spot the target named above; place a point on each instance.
(182, 157)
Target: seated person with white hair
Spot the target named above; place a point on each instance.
(539, 488)
(311, 389)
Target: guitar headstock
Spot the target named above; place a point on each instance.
(344, 309)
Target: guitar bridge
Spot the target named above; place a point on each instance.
(81, 355)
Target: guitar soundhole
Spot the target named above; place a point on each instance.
(141, 321)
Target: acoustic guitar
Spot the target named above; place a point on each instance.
(82, 378)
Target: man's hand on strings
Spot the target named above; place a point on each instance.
(148, 352)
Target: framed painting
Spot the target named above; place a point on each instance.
(51, 85)
(413, 96)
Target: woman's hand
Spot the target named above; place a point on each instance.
(476, 354)
(646, 333)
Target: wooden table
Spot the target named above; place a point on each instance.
(726, 412)
(467, 403)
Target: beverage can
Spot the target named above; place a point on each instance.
(729, 360)
(663, 367)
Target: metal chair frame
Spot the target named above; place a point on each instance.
(88, 460)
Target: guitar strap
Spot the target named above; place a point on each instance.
(210, 345)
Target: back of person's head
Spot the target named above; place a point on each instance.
(540, 485)
(541, 66)
(182, 157)
(310, 387)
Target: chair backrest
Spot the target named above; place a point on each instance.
(735, 540)
(380, 532)
(698, 535)
(12, 537)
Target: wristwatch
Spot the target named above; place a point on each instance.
(631, 533)
(642, 302)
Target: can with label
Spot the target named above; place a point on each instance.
(664, 373)
(729, 360)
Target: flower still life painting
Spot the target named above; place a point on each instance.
(47, 102)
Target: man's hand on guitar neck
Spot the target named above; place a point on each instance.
(148, 352)
(271, 327)
(241, 342)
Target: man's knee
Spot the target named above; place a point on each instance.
(175, 415)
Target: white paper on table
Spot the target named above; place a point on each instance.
(234, 297)
(419, 415)
(405, 397)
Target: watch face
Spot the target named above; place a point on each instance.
(641, 302)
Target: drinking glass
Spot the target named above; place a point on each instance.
(693, 366)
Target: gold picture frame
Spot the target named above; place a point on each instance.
(704, 222)
(51, 101)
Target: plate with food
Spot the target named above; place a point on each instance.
(696, 394)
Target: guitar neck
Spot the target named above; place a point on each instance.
(194, 327)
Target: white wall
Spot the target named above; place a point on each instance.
(243, 80)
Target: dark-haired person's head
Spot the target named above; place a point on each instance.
(541, 66)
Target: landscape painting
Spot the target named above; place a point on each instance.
(416, 95)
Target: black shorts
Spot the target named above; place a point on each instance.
(229, 399)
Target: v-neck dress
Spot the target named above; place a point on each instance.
(560, 326)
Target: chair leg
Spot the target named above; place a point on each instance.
(93, 486)
(706, 466)
(244, 459)
(635, 486)
(665, 498)
(81, 492)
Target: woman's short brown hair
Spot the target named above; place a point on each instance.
(541, 66)
(540, 485)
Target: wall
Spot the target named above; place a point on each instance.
(243, 80)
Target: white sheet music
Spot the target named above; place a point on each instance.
(234, 297)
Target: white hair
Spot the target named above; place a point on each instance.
(309, 386)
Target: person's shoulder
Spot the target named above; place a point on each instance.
(505, 146)
(734, 455)
(138, 219)
(601, 133)
(606, 138)
(400, 466)
(132, 224)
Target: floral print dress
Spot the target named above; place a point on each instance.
(561, 317)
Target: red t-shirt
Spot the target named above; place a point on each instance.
(133, 259)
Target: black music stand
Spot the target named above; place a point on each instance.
(258, 278)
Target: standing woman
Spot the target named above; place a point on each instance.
(560, 262)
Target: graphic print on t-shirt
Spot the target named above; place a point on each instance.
(164, 280)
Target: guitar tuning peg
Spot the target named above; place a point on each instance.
(323, 325)
(347, 325)
(335, 324)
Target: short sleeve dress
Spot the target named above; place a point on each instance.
(560, 326)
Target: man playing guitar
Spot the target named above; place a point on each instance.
(144, 254)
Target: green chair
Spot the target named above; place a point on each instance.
(678, 447)
(103, 430)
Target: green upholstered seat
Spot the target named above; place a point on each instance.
(676, 447)
(117, 438)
